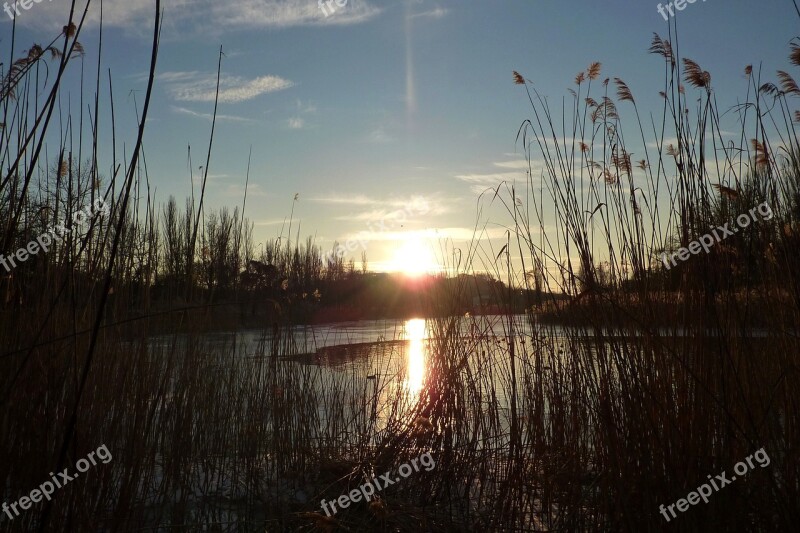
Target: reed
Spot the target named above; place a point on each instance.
(586, 413)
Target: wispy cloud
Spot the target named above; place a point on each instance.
(518, 164)
(414, 210)
(209, 116)
(191, 17)
(492, 179)
(667, 141)
(407, 214)
(201, 87)
(197, 178)
(372, 215)
(433, 13)
(296, 123)
(280, 13)
(481, 182)
(338, 199)
(379, 136)
(360, 199)
(236, 190)
(270, 222)
(306, 107)
(459, 234)
(517, 174)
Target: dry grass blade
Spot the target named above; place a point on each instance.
(594, 70)
(623, 91)
(769, 89)
(794, 55)
(761, 154)
(662, 47)
(35, 52)
(788, 85)
(727, 192)
(621, 161)
(609, 108)
(694, 75)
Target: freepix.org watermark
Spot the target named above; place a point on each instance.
(704, 490)
(329, 4)
(680, 5)
(367, 490)
(707, 241)
(58, 233)
(47, 488)
(24, 4)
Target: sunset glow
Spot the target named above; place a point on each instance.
(414, 257)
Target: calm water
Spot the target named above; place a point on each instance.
(381, 364)
(383, 359)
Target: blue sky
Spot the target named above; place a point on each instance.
(381, 104)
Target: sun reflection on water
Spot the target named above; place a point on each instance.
(415, 375)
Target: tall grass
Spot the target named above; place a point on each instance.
(662, 379)
(671, 375)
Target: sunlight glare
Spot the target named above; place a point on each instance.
(415, 333)
(415, 258)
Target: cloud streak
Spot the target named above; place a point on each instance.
(434, 13)
(362, 200)
(201, 87)
(200, 16)
(209, 116)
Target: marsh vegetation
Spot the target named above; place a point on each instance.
(603, 386)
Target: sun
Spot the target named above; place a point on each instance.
(414, 258)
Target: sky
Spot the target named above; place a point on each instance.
(386, 120)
